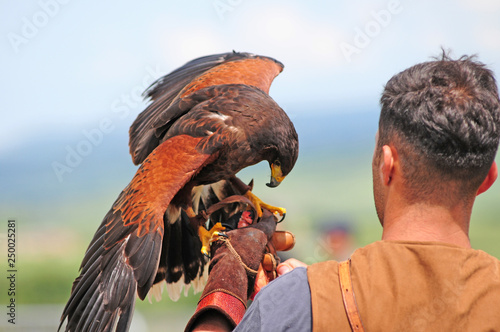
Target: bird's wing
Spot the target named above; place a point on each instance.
(123, 257)
(181, 263)
(227, 68)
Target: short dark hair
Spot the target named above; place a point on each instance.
(444, 118)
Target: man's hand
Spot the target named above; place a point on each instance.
(281, 241)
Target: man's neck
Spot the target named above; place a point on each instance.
(427, 223)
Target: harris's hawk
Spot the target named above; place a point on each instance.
(207, 120)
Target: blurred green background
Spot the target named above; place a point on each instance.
(330, 183)
(73, 73)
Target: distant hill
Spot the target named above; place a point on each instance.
(55, 167)
(58, 213)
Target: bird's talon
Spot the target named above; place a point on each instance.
(218, 234)
(282, 217)
(204, 251)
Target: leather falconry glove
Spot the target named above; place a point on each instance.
(233, 269)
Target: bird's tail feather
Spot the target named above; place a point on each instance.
(99, 300)
(103, 295)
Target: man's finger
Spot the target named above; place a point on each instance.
(289, 265)
(283, 240)
(260, 281)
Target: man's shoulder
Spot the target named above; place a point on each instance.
(284, 304)
(393, 251)
(434, 273)
(424, 248)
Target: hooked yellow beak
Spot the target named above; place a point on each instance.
(276, 176)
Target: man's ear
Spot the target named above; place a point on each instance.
(387, 166)
(489, 180)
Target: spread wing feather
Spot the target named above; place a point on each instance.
(163, 92)
(225, 68)
(124, 254)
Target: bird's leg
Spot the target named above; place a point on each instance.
(206, 236)
(259, 205)
(246, 190)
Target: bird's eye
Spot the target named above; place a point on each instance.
(277, 163)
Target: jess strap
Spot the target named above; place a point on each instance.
(348, 298)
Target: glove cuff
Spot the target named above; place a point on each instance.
(231, 306)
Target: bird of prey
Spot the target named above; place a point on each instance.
(206, 121)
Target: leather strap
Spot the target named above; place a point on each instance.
(350, 305)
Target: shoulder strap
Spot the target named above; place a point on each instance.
(350, 305)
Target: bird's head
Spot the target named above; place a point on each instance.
(283, 158)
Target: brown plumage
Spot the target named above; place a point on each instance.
(207, 120)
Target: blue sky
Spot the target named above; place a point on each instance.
(72, 74)
(69, 64)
